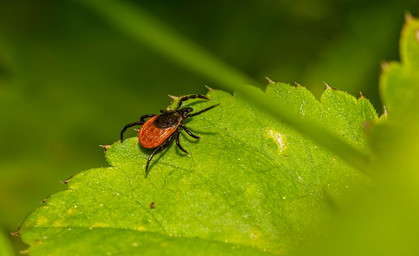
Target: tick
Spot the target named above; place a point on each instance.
(159, 130)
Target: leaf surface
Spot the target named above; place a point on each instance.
(399, 81)
(251, 186)
(385, 220)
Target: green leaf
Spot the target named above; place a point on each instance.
(252, 185)
(396, 140)
(399, 82)
(385, 220)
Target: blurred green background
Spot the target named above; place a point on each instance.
(69, 81)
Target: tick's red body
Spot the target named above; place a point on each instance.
(151, 136)
(159, 130)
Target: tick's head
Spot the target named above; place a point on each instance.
(185, 111)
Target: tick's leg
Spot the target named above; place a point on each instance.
(202, 111)
(128, 126)
(179, 103)
(141, 122)
(178, 143)
(188, 132)
(157, 150)
(142, 119)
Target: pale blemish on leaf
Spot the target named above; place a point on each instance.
(41, 221)
(142, 228)
(278, 138)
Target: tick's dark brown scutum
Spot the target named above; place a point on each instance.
(167, 120)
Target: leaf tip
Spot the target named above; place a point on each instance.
(270, 81)
(16, 233)
(209, 88)
(327, 86)
(297, 85)
(105, 147)
(67, 180)
(408, 17)
(361, 96)
(173, 98)
(384, 65)
(385, 113)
